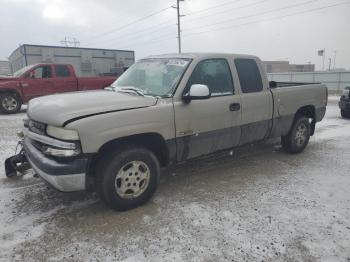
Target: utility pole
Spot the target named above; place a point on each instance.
(64, 42)
(67, 41)
(324, 56)
(178, 23)
(329, 64)
(335, 56)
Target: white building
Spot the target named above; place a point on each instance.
(4, 68)
(86, 61)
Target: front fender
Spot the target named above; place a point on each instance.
(97, 130)
(11, 86)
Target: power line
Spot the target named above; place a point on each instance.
(257, 14)
(145, 30)
(153, 39)
(70, 41)
(136, 34)
(153, 14)
(131, 23)
(161, 40)
(269, 19)
(158, 40)
(226, 10)
(154, 30)
(212, 7)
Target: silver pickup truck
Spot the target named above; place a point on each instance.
(162, 110)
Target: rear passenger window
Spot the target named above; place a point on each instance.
(249, 75)
(216, 74)
(62, 71)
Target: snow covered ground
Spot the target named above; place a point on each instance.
(260, 204)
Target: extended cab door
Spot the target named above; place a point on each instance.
(205, 126)
(38, 82)
(65, 80)
(256, 101)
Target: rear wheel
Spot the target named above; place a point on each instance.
(10, 103)
(298, 137)
(345, 114)
(128, 178)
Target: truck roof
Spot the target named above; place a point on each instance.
(38, 64)
(202, 55)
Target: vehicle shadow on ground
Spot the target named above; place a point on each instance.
(23, 110)
(42, 198)
(83, 215)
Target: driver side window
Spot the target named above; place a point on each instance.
(214, 73)
(41, 72)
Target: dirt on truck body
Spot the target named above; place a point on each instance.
(163, 110)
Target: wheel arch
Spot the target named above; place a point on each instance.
(152, 141)
(4, 92)
(14, 91)
(308, 111)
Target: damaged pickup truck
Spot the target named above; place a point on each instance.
(162, 110)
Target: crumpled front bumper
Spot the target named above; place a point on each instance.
(65, 176)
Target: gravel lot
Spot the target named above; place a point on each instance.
(257, 204)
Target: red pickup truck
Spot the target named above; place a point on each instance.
(44, 79)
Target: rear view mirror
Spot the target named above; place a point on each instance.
(273, 84)
(196, 92)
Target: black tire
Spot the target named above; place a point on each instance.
(294, 142)
(112, 165)
(10, 103)
(345, 114)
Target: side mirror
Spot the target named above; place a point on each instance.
(197, 92)
(273, 84)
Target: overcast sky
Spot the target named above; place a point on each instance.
(273, 29)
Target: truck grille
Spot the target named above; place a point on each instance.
(37, 127)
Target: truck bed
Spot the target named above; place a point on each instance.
(287, 97)
(274, 84)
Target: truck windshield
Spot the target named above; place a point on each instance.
(154, 76)
(22, 71)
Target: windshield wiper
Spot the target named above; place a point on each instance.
(138, 91)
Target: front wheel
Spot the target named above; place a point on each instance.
(298, 137)
(345, 114)
(128, 178)
(10, 103)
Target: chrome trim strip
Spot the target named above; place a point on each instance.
(64, 183)
(50, 141)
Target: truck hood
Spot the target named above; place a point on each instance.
(9, 78)
(58, 109)
(5, 81)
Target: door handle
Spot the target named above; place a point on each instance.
(235, 107)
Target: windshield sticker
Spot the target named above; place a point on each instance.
(177, 62)
(149, 66)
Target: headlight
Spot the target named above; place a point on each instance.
(59, 152)
(62, 133)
